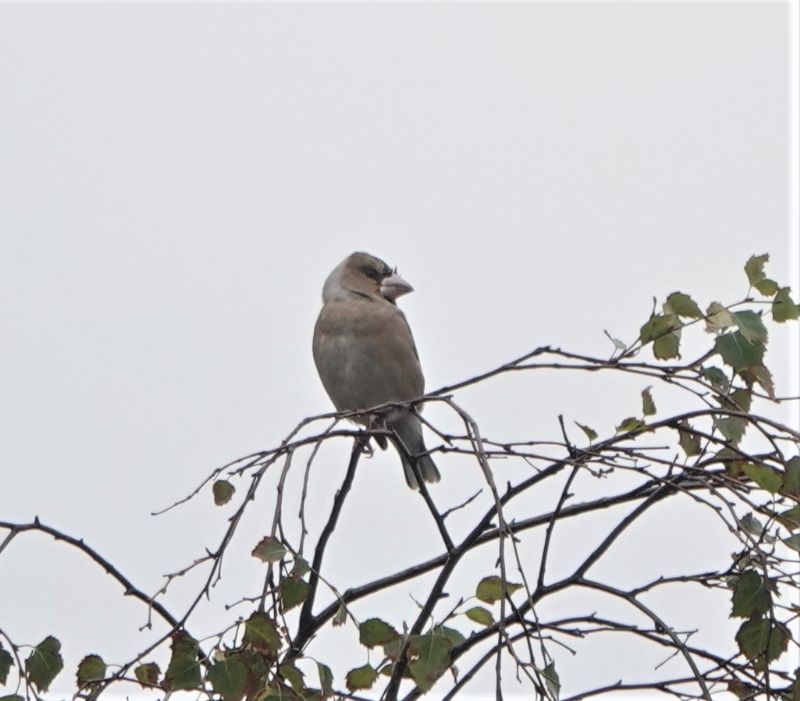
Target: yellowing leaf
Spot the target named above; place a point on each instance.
(480, 615)
(630, 425)
(361, 678)
(648, 405)
(718, 318)
(262, 635)
(784, 307)
(223, 491)
(683, 305)
(591, 434)
(269, 549)
(90, 669)
(147, 674)
(340, 616)
(490, 589)
(374, 632)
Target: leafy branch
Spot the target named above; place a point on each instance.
(717, 455)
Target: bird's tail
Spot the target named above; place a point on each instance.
(410, 444)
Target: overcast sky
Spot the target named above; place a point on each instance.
(176, 182)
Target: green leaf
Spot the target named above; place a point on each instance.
(751, 326)
(716, 377)
(750, 524)
(12, 697)
(759, 374)
(791, 478)
(754, 267)
(750, 595)
(779, 637)
(6, 663)
(764, 476)
(374, 632)
(591, 434)
(228, 678)
(658, 325)
(730, 460)
(223, 491)
(259, 668)
(630, 425)
(147, 674)
(292, 675)
(269, 549)
(732, 427)
(740, 400)
(761, 641)
(325, 678)
(262, 635)
(793, 542)
(662, 330)
(387, 670)
(752, 637)
(183, 672)
(361, 678)
(790, 518)
(293, 592)
(552, 681)
(392, 649)
(784, 307)
(44, 663)
(481, 616)
(667, 347)
(301, 568)
(648, 405)
(688, 440)
(718, 318)
(683, 305)
(431, 658)
(90, 669)
(767, 287)
(490, 589)
(738, 352)
(453, 635)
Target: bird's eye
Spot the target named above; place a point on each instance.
(370, 273)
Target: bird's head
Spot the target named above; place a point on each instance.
(367, 275)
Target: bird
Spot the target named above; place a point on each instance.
(366, 356)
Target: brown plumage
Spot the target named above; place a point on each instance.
(365, 353)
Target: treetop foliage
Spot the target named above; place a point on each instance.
(720, 455)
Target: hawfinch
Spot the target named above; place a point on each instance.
(365, 354)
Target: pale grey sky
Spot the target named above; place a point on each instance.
(177, 180)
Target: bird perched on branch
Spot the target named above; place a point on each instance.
(365, 354)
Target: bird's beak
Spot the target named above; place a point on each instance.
(394, 286)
